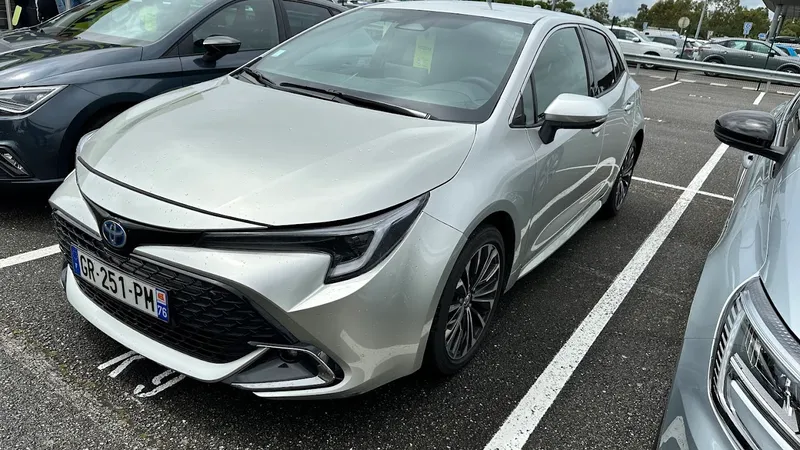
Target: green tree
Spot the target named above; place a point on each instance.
(598, 12)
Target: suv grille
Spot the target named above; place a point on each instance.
(207, 321)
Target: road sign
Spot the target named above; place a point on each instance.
(644, 26)
(762, 36)
(747, 27)
(709, 33)
(683, 22)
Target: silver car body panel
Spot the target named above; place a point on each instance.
(757, 241)
(375, 326)
(193, 161)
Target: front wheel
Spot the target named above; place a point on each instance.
(651, 66)
(712, 74)
(468, 302)
(619, 192)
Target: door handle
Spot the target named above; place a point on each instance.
(724, 52)
(596, 130)
(751, 56)
(628, 106)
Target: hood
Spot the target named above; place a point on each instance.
(267, 156)
(780, 272)
(26, 57)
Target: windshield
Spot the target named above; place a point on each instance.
(643, 37)
(122, 22)
(451, 66)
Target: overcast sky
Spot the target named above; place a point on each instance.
(624, 8)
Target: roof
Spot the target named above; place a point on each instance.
(791, 8)
(503, 11)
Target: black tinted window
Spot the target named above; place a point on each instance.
(252, 22)
(601, 60)
(304, 15)
(665, 40)
(560, 68)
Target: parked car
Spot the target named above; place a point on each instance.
(72, 74)
(736, 384)
(252, 230)
(634, 42)
(748, 53)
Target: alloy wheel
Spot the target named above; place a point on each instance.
(475, 296)
(625, 177)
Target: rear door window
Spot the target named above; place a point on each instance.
(303, 16)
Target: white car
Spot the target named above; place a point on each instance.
(634, 42)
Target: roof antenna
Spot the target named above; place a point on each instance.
(489, 2)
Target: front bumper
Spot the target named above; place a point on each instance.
(373, 328)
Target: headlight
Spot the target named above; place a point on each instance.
(23, 100)
(756, 372)
(354, 248)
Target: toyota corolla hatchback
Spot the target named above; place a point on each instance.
(350, 206)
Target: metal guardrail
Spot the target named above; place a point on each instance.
(750, 73)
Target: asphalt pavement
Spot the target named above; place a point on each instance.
(65, 385)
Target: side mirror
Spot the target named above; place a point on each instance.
(636, 39)
(773, 53)
(750, 131)
(218, 46)
(572, 112)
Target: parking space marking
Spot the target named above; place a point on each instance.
(681, 188)
(759, 98)
(785, 93)
(29, 256)
(524, 419)
(719, 84)
(674, 83)
(687, 81)
(658, 77)
(125, 359)
(748, 88)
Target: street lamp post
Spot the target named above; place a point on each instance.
(700, 22)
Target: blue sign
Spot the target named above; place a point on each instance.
(762, 36)
(747, 27)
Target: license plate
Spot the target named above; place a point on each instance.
(121, 286)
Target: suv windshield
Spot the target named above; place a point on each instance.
(122, 22)
(451, 66)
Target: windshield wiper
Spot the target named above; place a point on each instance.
(259, 77)
(362, 101)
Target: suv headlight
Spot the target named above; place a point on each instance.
(24, 100)
(755, 376)
(354, 248)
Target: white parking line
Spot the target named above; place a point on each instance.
(759, 98)
(681, 188)
(28, 256)
(748, 88)
(517, 428)
(785, 93)
(719, 84)
(688, 81)
(665, 86)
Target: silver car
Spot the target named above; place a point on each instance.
(748, 53)
(737, 384)
(351, 205)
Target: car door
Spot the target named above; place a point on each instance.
(610, 87)
(625, 39)
(760, 56)
(736, 53)
(253, 22)
(565, 166)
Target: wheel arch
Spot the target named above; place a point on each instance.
(715, 57)
(794, 67)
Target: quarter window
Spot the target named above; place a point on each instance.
(560, 68)
(602, 64)
(303, 15)
(253, 22)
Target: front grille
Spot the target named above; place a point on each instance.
(207, 321)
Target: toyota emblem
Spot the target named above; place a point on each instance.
(114, 234)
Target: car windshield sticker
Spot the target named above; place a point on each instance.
(423, 53)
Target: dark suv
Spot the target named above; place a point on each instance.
(75, 72)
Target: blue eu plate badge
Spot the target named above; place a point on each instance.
(161, 305)
(76, 263)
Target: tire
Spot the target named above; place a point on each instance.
(650, 66)
(621, 187)
(712, 74)
(448, 351)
